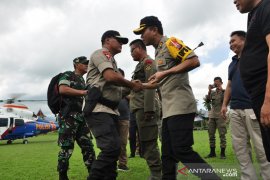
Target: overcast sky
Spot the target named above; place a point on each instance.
(39, 39)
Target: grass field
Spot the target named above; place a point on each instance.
(38, 160)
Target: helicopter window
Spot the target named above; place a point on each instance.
(19, 122)
(3, 122)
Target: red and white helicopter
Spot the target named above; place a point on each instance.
(18, 122)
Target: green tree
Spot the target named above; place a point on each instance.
(207, 103)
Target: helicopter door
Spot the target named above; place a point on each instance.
(3, 126)
(19, 122)
(11, 124)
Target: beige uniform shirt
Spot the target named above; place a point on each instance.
(176, 92)
(101, 60)
(216, 98)
(144, 99)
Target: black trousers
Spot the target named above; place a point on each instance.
(177, 139)
(265, 131)
(133, 129)
(104, 129)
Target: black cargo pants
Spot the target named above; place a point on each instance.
(104, 128)
(177, 141)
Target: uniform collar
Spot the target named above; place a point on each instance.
(235, 58)
(218, 91)
(147, 57)
(77, 75)
(162, 41)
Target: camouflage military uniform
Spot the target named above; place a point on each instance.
(72, 125)
(141, 102)
(215, 119)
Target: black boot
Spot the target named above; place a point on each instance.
(63, 175)
(62, 168)
(132, 155)
(212, 153)
(222, 153)
(89, 170)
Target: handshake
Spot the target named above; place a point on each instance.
(137, 85)
(152, 83)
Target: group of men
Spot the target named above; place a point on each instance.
(250, 92)
(247, 91)
(103, 91)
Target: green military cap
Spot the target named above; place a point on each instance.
(81, 59)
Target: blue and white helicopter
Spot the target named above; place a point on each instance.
(18, 122)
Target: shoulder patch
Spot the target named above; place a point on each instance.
(148, 61)
(148, 64)
(107, 54)
(148, 67)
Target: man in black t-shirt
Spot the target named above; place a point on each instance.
(255, 62)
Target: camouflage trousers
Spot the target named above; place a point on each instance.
(220, 124)
(70, 130)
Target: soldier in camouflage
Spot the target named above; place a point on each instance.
(142, 104)
(72, 125)
(215, 97)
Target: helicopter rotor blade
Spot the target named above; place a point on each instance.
(31, 100)
(16, 95)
